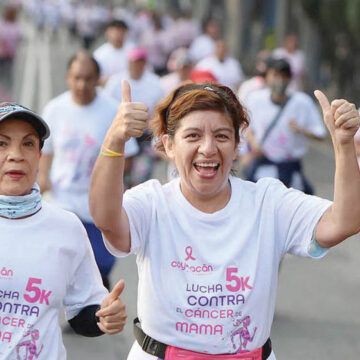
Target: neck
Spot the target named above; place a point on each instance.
(83, 102)
(209, 203)
(278, 98)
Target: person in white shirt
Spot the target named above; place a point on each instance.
(225, 68)
(208, 245)
(111, 56)
(296, 59)
(144, 83)
(146, 88)
(204, 44)
(257, 82)
(280, 127)
(181, 66)
(47, 264)
(78, 119)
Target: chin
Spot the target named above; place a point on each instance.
(15, 191)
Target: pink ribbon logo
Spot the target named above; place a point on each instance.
(188, 251)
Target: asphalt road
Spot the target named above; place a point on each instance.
(318, 311)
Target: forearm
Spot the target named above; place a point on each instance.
(107, 186)
(346, 205)
(85, 323)
(343, 217)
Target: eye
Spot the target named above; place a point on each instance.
(192, 136)
(2, 143)
(28, 143)
(222, 136)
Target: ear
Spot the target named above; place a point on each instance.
(168, 146)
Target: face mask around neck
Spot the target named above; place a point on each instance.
(15, 207)
(278, 87)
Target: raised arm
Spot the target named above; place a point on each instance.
(342, 219)
(107, 186)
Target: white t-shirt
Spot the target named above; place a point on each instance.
(170, 82)
(111, 59)
(147, 89)
(282, 143)
(201, 47)
(228, 72)
(46, 264)
(247, 87)
(77, 132)
(202, 277)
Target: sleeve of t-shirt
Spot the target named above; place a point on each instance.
(138, 204)
(313, 120)
(86, 287)
(297, 216)
(48, 147)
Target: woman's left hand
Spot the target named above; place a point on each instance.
(341, 118)
(112, 313)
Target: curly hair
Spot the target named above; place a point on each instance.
(193, 97)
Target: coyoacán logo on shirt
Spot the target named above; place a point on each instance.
(189, 264)
(6, 273)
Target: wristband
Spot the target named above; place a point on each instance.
(110, 153)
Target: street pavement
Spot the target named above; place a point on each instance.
(318, 312)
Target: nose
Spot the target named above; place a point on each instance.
(81, 85)
(15, 154)
(208, 146)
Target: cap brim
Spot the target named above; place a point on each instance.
(35, 120)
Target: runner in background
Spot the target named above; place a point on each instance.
(111, 56)
(146, 88)
(280, 126)
(78, 119)
(296, 59)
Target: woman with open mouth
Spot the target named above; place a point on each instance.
(46, 260)
(208, 244)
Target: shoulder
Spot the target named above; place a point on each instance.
(56, 107)
(255, 96)
(58, 101)
(266, 187)
(302, 98)
(115, 80)
(102, 50)
(106, 101)
(147, 188)
(152, 76)
(61, 219)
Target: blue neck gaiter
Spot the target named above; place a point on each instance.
(14, 207)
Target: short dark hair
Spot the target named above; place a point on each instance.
(118, 23)
(280, 65)
(83, 55)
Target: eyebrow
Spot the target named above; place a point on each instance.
(27, 135)
(217, 130)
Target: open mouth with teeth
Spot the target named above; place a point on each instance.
(206, 170)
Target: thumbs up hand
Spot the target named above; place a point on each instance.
(341, 118)
(112, 313)
(131, 118)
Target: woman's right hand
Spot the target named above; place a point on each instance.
(130, 120)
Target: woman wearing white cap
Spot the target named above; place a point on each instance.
(46, 260)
